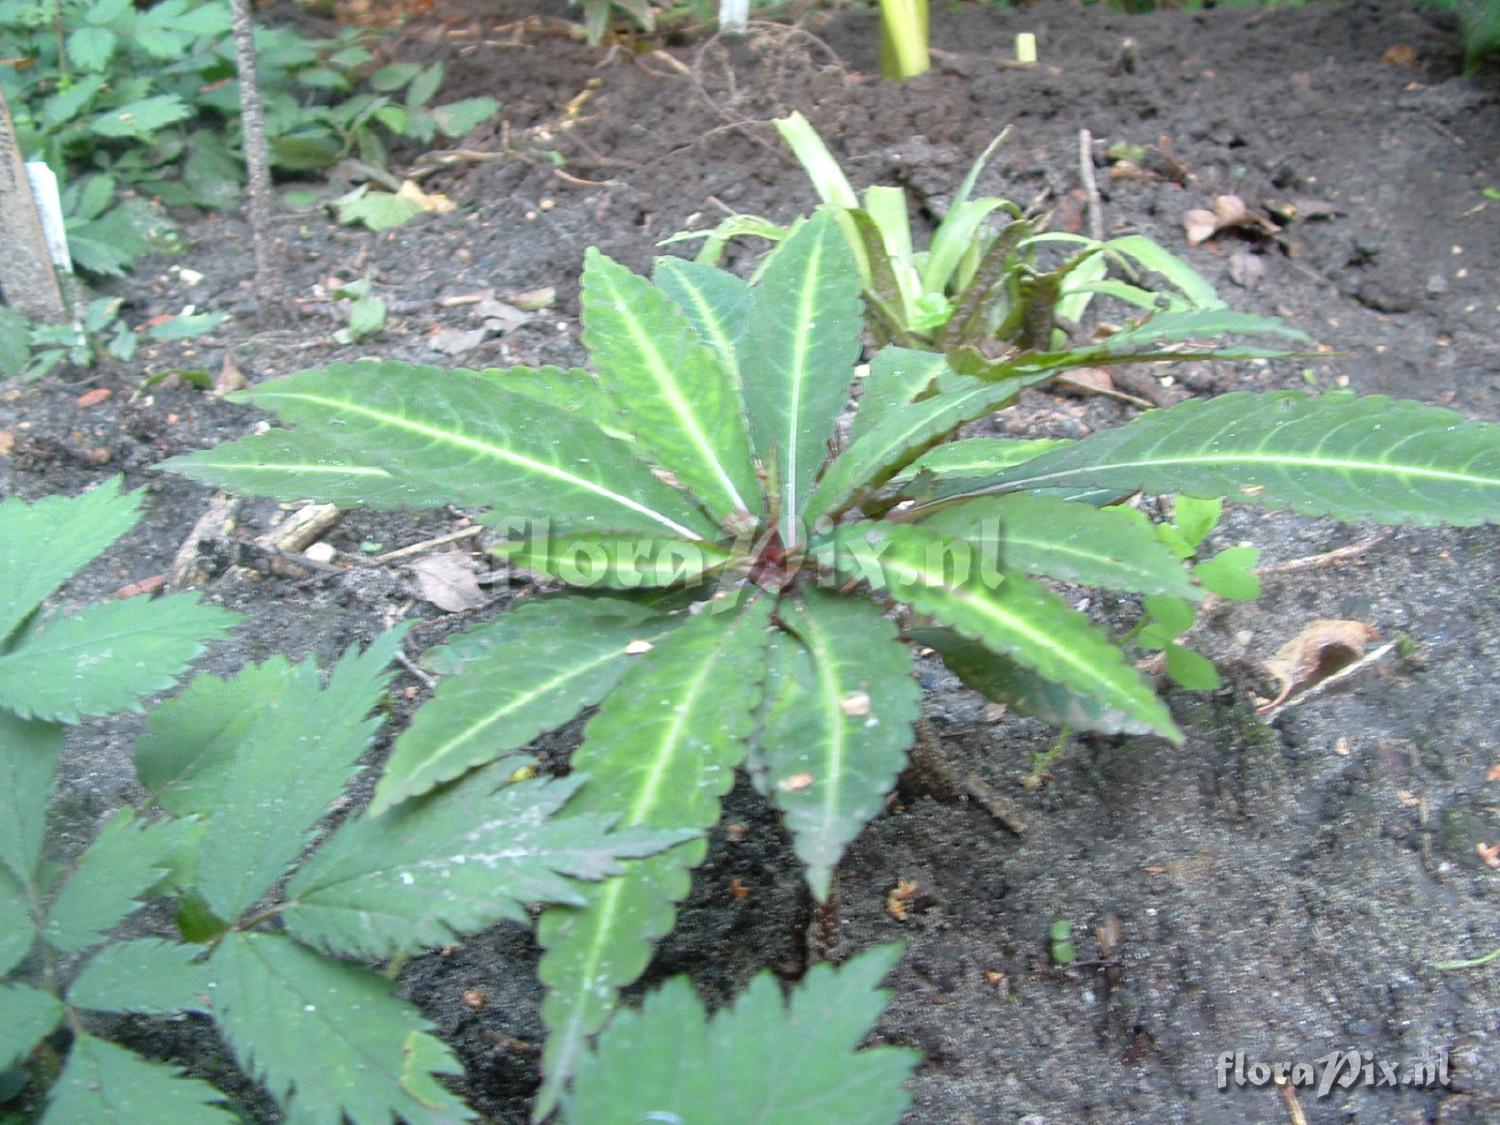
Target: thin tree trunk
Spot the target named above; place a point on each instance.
(268, 290)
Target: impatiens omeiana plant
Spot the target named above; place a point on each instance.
(748, 561)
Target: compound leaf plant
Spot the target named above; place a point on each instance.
(239, 774)
(744, 566)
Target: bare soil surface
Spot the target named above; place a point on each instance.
(1281, 888)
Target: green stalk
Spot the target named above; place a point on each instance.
(903, 39)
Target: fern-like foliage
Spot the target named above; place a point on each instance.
(709, 454)
(766, 1059)
(58, 667)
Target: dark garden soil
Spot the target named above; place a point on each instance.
(1281, 888)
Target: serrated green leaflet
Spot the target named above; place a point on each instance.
(29, 1015)
(977, 457)
(44, 544)
(457, 434)
(124, 860)
(1003, 680)
(1118, 550)
(1006, 612)
(619, 562)
(1354, 458)
(148, 976)
(104, 1084)
(903, 433)
(28, 762)
(717, 303)
(681, 404)
(294, 760)
(509, 680)
(190, 740)
(798, 356)
(327, 1038)
(660, 753)
(454, 863)
(104, 658)
(840, 704)
(767, 1058)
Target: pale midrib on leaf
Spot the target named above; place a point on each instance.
(1074, 551)
(662, 374)
(303, 468)
(941, 406)
(801, 335)
(476, 728)
(609, 900)
(498, 453)
(1005, 620)
(722, 343)
(1378, 468)
(832, 696)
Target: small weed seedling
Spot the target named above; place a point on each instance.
(32, 350)
(744, 573)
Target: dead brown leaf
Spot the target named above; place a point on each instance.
(1402, 54)
(1246, 268)
(230, 378)
(428, 202)
(1229, 213)
(448, 581)
(1323, 648)
(1490, 853)
(898, 899)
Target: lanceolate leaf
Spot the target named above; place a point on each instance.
(903, 433)
(798, 357)
(608, 559)
(766, 1059)
(1003, 680)
(326, 1037)
(28, 761)
(294, 760)
(1355, 458)
(896, 377)
(44, 544)
(682, 406)
(419, 433)
(968, 458)
(453, 863)
(1197, 324)
(124, 861)
(149, 976)
(660, 753)
(1006, 612)
(29, 1014)
(104, 1084)
(716, 301)
(504, 683)
(1118, 550)
(102, 659)
(840, 704)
